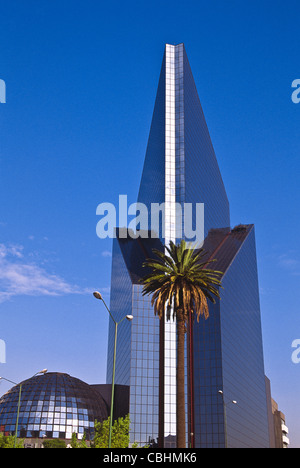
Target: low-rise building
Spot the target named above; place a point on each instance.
(278, 430)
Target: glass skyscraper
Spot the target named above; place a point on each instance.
(223, 353)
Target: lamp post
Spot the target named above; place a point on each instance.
(19, 401)
(97, 295)
(234, 402)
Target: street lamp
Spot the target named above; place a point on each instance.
(19, 401)
(97, 295)
(234, 402)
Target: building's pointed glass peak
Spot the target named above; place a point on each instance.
(180, 164)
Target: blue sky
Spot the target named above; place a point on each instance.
(81, 83)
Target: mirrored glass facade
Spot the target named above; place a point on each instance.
(144, 373)
(203, 180)
(120, 306)
(138, 341)
(242, 351)
(228, 353)
(181, 167)
(53, 405)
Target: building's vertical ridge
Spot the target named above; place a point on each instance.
(170, 235)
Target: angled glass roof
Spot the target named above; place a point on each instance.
(220, 244)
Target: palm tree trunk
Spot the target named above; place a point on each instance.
(180, 394)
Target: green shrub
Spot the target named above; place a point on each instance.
(9, 441)
(54, 443)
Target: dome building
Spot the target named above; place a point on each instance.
(53, 405)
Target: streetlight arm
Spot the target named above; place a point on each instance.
(109, 310)
(44, 371)
(122, 319)
(15, 383)
(7, 380)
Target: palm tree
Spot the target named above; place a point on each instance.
(180, 285)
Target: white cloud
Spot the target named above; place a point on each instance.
(289, 262)
(105, 290)
(20, 277)
(12, 250)
(106, 253)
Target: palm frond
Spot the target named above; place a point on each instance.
(180, 280)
